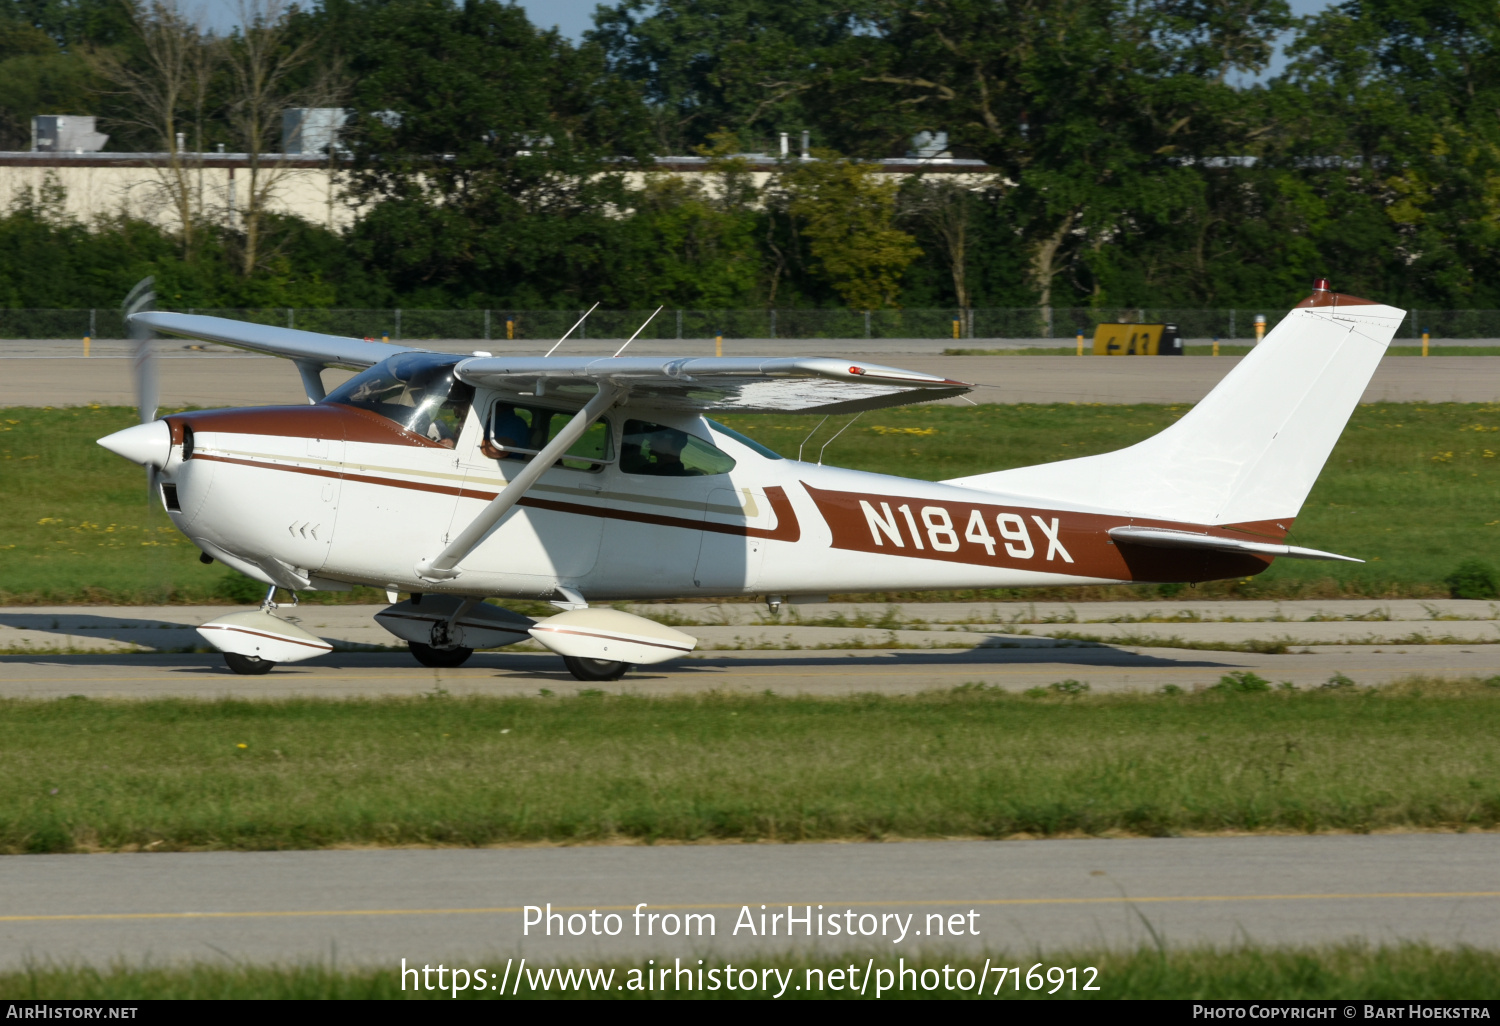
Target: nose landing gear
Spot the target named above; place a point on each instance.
(595, 669)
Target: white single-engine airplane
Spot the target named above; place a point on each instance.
(579, 479)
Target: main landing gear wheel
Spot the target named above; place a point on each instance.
(595, 669)
(439, 658)
(250, 665)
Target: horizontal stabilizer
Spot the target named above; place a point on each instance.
(1164, 538)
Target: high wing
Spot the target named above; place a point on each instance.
(738, 384)
(311, 346)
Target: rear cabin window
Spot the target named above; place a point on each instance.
(517, 433)
(417, 391)
(655, 450)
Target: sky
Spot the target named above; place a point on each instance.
(574, 17)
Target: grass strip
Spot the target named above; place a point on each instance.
(1338, 972)
(89, 775)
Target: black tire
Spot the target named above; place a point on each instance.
(439, 658)
(249, 665)
(594, 670)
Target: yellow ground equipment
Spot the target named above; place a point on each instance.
(1137, 340)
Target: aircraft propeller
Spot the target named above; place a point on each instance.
(138, 300)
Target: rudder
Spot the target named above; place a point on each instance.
(1253, 447)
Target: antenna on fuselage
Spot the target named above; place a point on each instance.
(571, 330)
(840, 431)
(814, 431)
(641, 328)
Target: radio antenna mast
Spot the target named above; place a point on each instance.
(572, 329)
(641, 328)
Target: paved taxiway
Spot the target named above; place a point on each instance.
(829, 673)
(465, 906)
(237, 380)
(820, 649)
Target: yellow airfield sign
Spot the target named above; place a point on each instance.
(1137, 340)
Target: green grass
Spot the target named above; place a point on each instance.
(86, 775)
(1412, 487)
(1338, 972)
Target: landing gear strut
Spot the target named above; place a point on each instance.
(595, 669)
(439, 658)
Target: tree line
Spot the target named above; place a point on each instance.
(1136, 153)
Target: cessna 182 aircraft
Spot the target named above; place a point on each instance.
(585, 479)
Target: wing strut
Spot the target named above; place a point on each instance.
(441, 567)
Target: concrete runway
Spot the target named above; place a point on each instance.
(465, 907)
(214, 380)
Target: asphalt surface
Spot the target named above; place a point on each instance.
(467, 907)
(215, 380)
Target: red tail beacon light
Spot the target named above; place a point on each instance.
(1320, 285)
(856, 370)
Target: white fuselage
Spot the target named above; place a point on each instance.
(324, 497)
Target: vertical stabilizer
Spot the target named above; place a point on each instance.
(1251, 450)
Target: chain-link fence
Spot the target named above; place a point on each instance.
(982, 323)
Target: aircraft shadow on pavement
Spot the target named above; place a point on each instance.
(146, 631)
(549, 667)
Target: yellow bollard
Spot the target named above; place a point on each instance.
(510, 330)
(1260, 328)
(1216, 345)
(1080, 343)
(718, 345)
(955, 328)
(1424, 343)
(85, 347)
(385, 338)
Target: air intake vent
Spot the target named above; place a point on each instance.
(169, 498)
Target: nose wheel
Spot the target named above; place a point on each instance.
(439, 658)
(247, 664)
(595, 669)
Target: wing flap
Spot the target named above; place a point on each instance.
(1164, 538)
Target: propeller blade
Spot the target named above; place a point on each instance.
(142, 298)
(139, 299)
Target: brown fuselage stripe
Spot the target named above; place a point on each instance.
(913, 528)
(261, 634)
(319, 420)
(787, 528)
(1085, 535)
(611, 637)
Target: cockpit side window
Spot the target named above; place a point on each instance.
(656, 450)
(517, 433)
(416, 390)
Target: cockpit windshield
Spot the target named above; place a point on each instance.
(416, 390)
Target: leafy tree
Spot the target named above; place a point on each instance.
(748, 67)
(846, 211)
(479, 151)
(36, 77)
